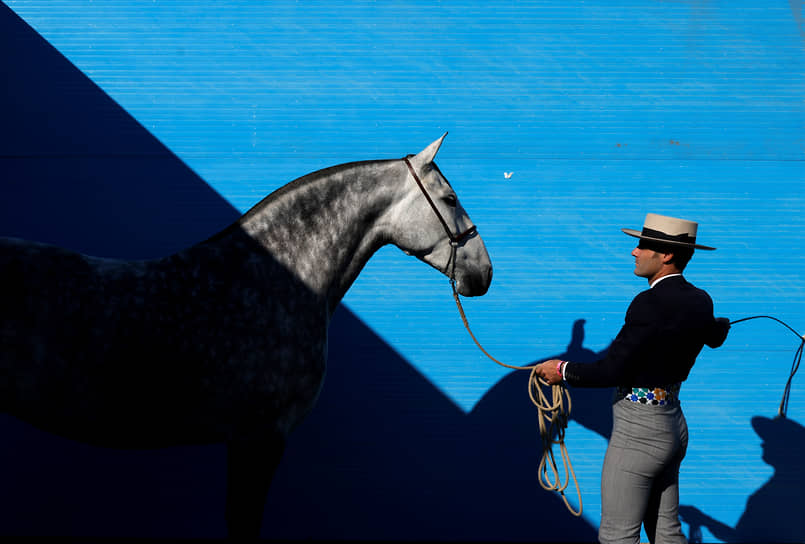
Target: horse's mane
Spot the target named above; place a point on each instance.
(292, 186)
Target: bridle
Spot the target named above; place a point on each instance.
(455, 239)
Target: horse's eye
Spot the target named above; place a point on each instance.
(451, 200)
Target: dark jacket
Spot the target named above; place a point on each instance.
(664, 330)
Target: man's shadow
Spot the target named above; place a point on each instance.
(590, 406)
(774, 512)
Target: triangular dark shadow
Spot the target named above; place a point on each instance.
(384, 454)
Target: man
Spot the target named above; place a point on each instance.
(665, 328)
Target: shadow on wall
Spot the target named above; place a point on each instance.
(79, 172)
(773, 512)
(386, 456)
(402, 462)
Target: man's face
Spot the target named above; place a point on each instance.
(648, 263)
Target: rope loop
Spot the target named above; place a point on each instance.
(554, 414)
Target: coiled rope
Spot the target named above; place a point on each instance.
(553, 418)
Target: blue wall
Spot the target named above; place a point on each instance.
(134, 128)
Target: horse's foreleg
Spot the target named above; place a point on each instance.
(250, 468)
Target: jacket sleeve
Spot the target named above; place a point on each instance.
(624, 354)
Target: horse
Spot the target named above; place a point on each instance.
(225, 341)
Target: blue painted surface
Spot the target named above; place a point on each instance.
(602, 113)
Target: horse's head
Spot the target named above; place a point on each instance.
(432, 225)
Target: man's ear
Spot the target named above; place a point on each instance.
(667, 258)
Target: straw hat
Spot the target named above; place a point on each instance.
(668, 230)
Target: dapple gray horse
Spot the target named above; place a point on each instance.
(225, 341)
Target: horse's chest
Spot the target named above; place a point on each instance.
(275, 357)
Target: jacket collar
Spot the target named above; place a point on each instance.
(664, 278)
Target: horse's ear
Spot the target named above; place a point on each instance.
(427, 155)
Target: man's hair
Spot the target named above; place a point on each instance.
(682, 255)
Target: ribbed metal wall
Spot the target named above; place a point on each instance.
(602, 111)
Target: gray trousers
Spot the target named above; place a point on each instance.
(640, 478)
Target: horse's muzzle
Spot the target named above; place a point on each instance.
(475, 284)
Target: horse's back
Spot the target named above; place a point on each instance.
(39, 286)
(155, 346)
(51, 322)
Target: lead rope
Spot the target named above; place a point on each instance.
(553, 418)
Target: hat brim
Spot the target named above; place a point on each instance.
(778, 427)
(639, 234)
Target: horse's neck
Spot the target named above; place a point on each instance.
(323, 228)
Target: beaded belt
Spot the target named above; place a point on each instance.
(654, 396)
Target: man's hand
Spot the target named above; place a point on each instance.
(548, 371)
(720, 332)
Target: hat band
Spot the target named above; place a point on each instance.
(658, 235)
